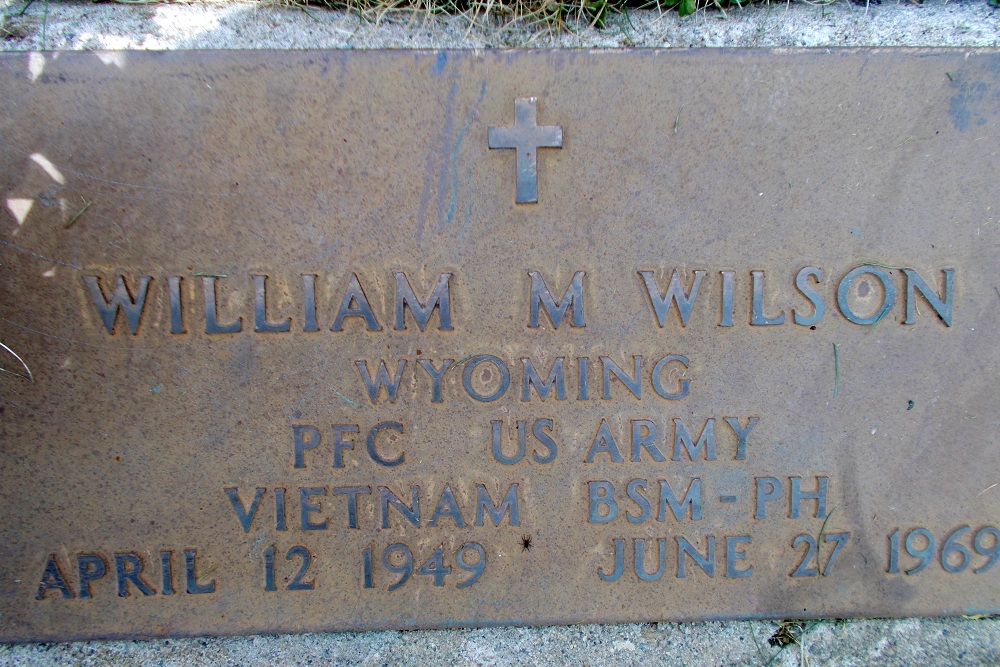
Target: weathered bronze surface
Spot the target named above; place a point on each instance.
(285, 222)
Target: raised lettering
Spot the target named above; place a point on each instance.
(758, 318)
(542, 387)
(121, 299)
(844, 289)
(508, 506)
(260, 323)
(706, 441)
(53, 578)
(212, 325)
(245, 516)
(573, 298)
(355, 304)
(808, 291)
(440, 298)
(692, 500)
(381, 379)
(675, 295)
(604, 442)
(940, 304)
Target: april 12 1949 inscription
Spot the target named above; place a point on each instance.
(314, 340)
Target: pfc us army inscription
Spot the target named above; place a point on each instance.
(299, 354)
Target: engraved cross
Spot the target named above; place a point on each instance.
(525, 137)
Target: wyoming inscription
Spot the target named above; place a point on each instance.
(334, 340)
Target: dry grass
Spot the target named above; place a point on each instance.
(544, 15)
(552, 14)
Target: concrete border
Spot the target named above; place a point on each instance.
(234, 25)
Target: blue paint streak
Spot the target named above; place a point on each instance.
(967, 105)
(454, 160)
(438, 67)
(468, 202)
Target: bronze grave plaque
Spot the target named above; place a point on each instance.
(340, 340)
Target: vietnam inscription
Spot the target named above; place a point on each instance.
(295, 356)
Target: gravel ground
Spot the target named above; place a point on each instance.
(958, 641)
(245, 26)
(904, 642)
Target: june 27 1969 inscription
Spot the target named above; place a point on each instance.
(306, 341)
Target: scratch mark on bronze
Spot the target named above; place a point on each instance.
(353, 404)
(14, 354)
(81, 342)
(25, 251)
